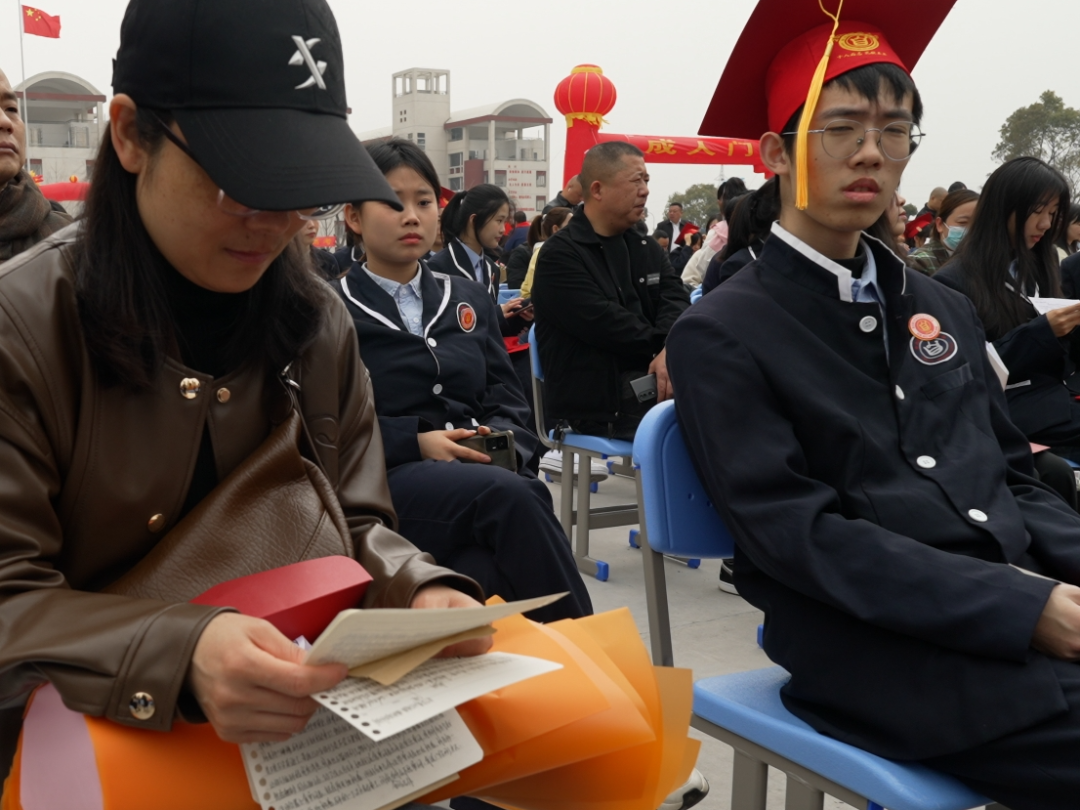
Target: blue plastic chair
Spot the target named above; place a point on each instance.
(580, 448)
(744, 709)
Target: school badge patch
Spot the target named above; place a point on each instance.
(466, 317)
(937, 350)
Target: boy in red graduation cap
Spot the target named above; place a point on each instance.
(852, 431)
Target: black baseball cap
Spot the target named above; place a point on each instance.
(258, 89)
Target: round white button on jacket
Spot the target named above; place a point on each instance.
(899, 392)
(978, 515)
(437, 389)
(432, 342)
(926, 462)
(449, 425)
(868, 324)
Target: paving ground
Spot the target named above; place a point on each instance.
(712, 632)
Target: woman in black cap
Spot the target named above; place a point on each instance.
(147, 355)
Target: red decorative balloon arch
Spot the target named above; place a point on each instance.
(587, 95)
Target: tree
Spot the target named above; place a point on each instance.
(698, 203)
(1048, 130)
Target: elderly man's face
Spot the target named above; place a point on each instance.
(12, 133)
(674, 213)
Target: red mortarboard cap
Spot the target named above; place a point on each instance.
(772, 66)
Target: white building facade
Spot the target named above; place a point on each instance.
(64, 124)
(506, 144)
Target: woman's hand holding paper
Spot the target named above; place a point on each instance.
(250, 683)
(442, 596)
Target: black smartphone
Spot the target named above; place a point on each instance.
(498, 446)
(644, 388)
(524, 304)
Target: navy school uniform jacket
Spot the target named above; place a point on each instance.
(454, 261)
(457, 375)
(875, 500)
(1038, 362)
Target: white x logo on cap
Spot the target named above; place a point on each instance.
(303, 56)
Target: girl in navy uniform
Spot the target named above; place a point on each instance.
(441, 373)
(1007, 259)
(472, 224)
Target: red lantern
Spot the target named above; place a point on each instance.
(586, 95)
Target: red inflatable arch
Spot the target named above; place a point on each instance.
(587, 95)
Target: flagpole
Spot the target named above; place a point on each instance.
(22, 63)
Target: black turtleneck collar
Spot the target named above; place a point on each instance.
(205, 322)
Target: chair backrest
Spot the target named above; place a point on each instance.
(695, 296)
(538, 390)
(534, 354)
(679, 515)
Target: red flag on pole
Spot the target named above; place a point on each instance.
(40, 24)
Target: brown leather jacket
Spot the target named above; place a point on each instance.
(91, 478)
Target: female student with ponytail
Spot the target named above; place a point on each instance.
(441, 374)
(472, 224)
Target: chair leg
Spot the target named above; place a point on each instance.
(749, 783)
(801, 796)
(584, 504)
(655, 596)
(567, 488)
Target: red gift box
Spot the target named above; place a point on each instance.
(299, 599)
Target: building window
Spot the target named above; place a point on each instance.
(89, 171)
(421, 140)
(541, 179)
(540, 203)
(523, 153)
(455, 184)
(500, 178)
(457, 133)
(486, 177)
(455, 159)
(37, 167)
(409, 136)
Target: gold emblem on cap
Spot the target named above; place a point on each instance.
(859, 41)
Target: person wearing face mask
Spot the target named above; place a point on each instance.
(949, 228)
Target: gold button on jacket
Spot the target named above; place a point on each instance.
(190, 387)
(142, 706)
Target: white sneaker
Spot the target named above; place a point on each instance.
(552, 463)
(695, 789)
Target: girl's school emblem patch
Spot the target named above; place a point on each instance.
(466, 317)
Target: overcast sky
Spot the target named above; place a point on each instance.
(665, 58)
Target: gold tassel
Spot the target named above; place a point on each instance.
(802, 158)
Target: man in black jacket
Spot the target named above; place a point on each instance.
(605, 300)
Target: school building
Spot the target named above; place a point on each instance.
(506, 143)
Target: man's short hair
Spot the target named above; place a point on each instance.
(658, 235)
(675, 204)
(957, 186)
(604, 160)
(519, 216)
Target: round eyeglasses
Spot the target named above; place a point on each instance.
(230, 206)
(842, 138)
